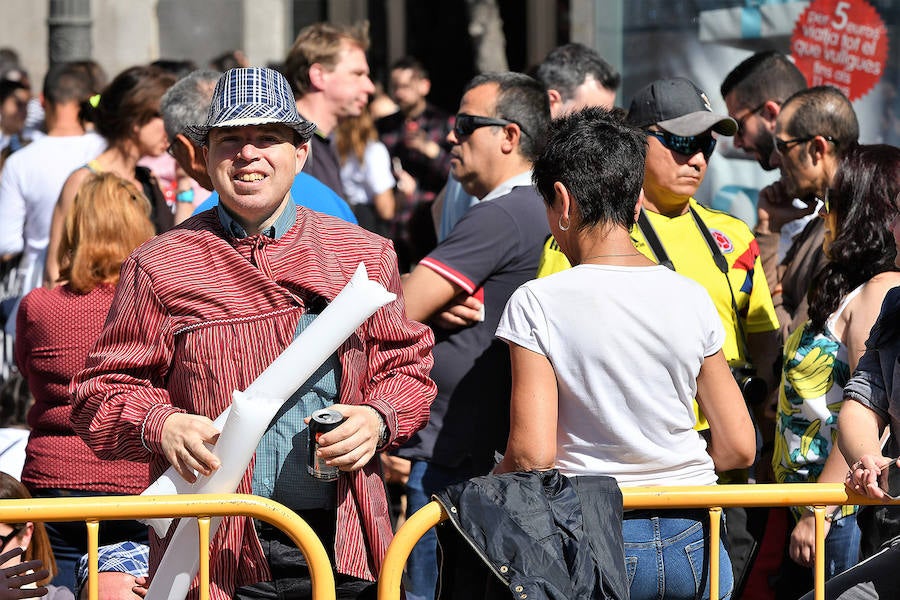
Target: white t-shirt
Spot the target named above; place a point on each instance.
(32, 179)
(362, 182)
(12, 450)
(626, 344)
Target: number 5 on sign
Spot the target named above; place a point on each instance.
(841, 11)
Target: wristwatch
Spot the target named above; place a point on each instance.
(829, 517)
(383, 433)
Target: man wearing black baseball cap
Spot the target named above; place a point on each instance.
(713, 248)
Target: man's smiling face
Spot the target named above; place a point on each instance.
(252, 168)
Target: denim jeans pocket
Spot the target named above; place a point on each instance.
(696, 556)
(630, 568)
(697, 559)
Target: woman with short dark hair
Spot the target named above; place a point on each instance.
(608, 356)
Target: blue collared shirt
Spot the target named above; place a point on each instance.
(281, 456)
(277, 229)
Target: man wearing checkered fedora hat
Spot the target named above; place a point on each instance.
(203, 309)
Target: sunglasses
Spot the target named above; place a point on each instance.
(687, 145)
(6, 539)
(750, 113)
(465, 124)
(783, 146)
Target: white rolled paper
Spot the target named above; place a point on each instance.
(181, 562)
(243, 424)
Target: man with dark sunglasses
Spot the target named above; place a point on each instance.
(681, 128)
(789, 234)
(713, 248)
(813, 130)
(499, 130)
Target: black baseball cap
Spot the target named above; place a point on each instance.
(679, 107)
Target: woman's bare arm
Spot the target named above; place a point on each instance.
(532, 413)
(733, 441)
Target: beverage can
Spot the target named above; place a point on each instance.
(320, 422)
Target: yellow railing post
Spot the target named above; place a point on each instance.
(406, 537)
(93, 534)
(819, 566)
(203, 526)
(715, 522)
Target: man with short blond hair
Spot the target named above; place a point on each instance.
(329, 75)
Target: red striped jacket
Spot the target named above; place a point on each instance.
(198, 314)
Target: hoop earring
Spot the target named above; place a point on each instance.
(560, 223)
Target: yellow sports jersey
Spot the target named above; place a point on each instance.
(689, 252)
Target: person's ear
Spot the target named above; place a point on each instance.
(512, 138)
(317, 75)
(562, 200)
(770, 111)
(24, 537)
(424, 86)
(302, 153)
(556, 101)
(819, 148)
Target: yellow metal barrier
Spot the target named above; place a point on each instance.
(713, 498)
(92, 510)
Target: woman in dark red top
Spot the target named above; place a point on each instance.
(55, 330)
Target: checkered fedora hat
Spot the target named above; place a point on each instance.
(252, 96)
(124, 557)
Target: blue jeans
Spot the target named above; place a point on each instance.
(666, 557)
(426, 479)
(841, 546)
(841, 553)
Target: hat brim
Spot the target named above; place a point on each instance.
(199, 133)
(698, 122)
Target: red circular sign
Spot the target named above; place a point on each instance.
(842, 43)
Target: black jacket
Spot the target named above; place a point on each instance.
(541, 534)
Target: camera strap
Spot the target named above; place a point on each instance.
(719, 259)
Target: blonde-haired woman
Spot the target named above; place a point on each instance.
(366, 173)
(55, 330)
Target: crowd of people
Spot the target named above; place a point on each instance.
(564, 306)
